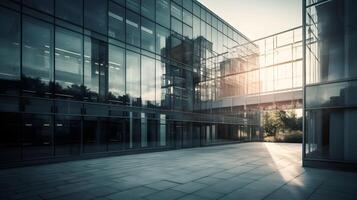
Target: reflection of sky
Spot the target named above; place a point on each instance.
(258, 18)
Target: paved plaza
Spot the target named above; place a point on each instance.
(268, 171)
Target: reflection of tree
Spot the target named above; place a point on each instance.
(124, 99)
(36, 85)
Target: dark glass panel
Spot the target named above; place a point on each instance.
(187, 31)
(162, 37)
(152, 133)
(10, 45)
(116, 73)
(42, 5)
(330, 134)
(10, 143)
(116, 22)
(135, 130)
(163, 12)
(196, 9)
(161, 83)
(176, 11)
(148, 81)
(67, 137)
(196, 27)
(133, 28)
(176, 25)
(37, 137)
(147, 35)
(187, 17)
(148, 8)
(70, 10)
(133, 5)
(118, 130)
(95, 68)
(37, 55)
(69, 63)
(94, 135)
(95, 15)
(332, 95)
(121, 2)
(133, 77)
(187, 4)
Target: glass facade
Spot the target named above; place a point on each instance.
(81, 77)
(331, 75)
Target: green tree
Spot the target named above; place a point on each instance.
(271, 123)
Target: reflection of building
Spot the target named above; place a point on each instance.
(88, 77)
(330, 104)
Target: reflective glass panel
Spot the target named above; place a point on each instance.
(162, 36)
(116, 72)
(42, 5)
(70, 10)
(148, 81)
(163, 12)
(133, 5)
(147, 35)
(95, 68)
(68, 62)
(132, 28)
(133, 76)
(10, 45)
(37, 54)
(116, 17)
(147, 8)
(95, 15)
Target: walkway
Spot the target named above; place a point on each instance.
(240, 171)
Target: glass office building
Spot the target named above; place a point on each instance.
(87, 77)
(331, 83)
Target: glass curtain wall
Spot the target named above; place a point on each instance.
(331, 81)
(92, 76)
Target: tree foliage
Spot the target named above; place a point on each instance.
(281, 120)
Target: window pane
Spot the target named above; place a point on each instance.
(148, 81)
(42, 5)
(133, 76)
(94, 135)
(95, 68)
(188, 5)
(332, 95)
(147, 35)
(330, 134)
(36, 139)
(187, 31)
(148, 8)
(132, 28)
(196, 27)
(10, 143)
(68, 135)
(68, 61)
(10, 45)
(176, 11)
(196, 9)
(37, 55)
(162, 35)
(70, 10)
(187, 17)
(116, 73)
(116, 22)
(133, 5)
(176, 25)
(160, 83)
(163, 12)
(121, 2)
(95, 15)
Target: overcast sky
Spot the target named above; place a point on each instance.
(258, 18)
